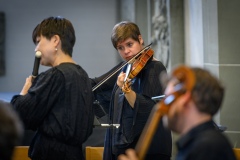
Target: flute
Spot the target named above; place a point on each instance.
(38, 55)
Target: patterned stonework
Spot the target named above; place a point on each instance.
(159, 30)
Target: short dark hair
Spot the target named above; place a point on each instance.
(57, 26)
(124, 30)
(208, 91)
(11, 130)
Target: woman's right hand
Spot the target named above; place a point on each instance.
(27, 85)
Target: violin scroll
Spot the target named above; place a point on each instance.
(126, 87)
(186, 82)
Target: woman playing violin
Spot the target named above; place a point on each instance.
(130, 108)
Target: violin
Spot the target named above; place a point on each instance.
(186, 79)
(134, 69)
(138, 62)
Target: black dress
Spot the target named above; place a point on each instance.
(132, 120)
(59, 107)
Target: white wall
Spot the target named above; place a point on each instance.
(93, 21)
(193, 32)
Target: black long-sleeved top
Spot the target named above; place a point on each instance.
(132, 120)
(204, 142)
(59, 107)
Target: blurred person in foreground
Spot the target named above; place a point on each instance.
(11, 130)
(190, 115)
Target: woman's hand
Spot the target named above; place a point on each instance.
(129, 94)
(27, 85)
(120, 79)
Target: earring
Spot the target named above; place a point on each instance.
(56, 49)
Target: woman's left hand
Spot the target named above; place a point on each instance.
(120, 79)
